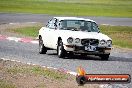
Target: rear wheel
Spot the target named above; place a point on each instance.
(60, 50)
(104, 56)
(42, 48)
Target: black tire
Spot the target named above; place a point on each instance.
(84, 54)
(70, 54)
(104, 56)
(42, 48)
(81, 80)
(60, 50)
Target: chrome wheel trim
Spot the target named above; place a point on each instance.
(40, 45)
(59, 50)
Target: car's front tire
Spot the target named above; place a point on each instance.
(60, 50)
(104, 56)
(42, 48)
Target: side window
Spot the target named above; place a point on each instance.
(52, 24)
(47, 25)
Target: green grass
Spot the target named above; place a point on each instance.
(49, 73)
(121, 35)
(27, 31)
(53, 74)
(4, 84)
(114, 8)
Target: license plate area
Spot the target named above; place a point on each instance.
(90, 48)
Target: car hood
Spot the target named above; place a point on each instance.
(83, 35)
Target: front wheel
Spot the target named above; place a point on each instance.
(60, 50)
(104, 56)
(42, 48)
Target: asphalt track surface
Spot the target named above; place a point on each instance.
(21, 17)
(119, 63)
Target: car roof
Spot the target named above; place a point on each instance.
(72, 18)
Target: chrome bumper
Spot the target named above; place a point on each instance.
(81, 49)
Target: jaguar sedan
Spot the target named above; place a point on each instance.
(72, 35)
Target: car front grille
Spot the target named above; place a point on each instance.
(93, 42)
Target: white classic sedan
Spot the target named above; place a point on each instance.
(72, 35)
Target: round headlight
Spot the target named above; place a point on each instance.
(109, 42)
(70, 40)
(102, 42)
(77, 40)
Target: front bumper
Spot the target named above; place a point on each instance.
(81, 49)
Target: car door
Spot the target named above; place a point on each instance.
(45, 34)
(54, 33)
(50, 33)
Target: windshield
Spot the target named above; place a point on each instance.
(78, 25)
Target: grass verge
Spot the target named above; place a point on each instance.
(4, 84)
(121, 35)
(114, 8)
(19, 75)
(27, 31)
(37, 70)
